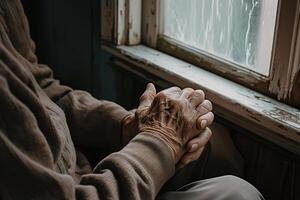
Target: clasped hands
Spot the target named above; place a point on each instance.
(178, 117)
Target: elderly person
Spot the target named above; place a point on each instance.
(41, 121)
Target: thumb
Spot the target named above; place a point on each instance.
(147, 97)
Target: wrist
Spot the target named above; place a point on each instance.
(168, 136)
(129, 129)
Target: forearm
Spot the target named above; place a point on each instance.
(138, 171)
(92, 122)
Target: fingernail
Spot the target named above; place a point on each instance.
(203, 123)
(194, 147)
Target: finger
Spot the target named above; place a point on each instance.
(204, 107)
(207, 105)
(147, 97)
(199, 141)
(173, 89)
(193, 147)
(190, 157)
(197, 97)
(205, 120)
(186, 93)
(172, 92)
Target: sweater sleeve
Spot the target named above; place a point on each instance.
(136, 172)
(92, 122)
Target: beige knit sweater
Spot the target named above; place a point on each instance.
(41, 120)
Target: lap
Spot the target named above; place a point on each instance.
(220, 188)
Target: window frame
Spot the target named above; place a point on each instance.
(261, 115)
(137, 22)
(281, 81)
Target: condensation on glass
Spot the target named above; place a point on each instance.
(239, 31)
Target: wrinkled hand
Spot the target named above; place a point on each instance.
(176, 116)
(196, 146)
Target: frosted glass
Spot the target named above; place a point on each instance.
(239, 31)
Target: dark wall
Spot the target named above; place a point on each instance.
(67, 36)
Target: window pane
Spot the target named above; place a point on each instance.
(240, 31)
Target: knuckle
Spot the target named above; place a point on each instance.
(175, 88)
(160, 95)
(207, 105)
(182, 102)
(200, 93)
(188, 89)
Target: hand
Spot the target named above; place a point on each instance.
(173, 115)
(196, 146)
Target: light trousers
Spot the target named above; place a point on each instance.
(220, 188)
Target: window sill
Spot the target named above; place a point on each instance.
(259, 114)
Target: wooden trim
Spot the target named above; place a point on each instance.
(287, 77)
(113, 17)
(284, 80)
(108, 15)
(293, 95)
(121, 21)
(283, 67)
(261, 115)
(150, 23)
(213, 64)
(134, 18)
(266, 35)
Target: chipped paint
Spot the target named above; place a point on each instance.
(150, 24)
(266, 117)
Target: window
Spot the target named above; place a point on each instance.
(239, 31)
(255, 43)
